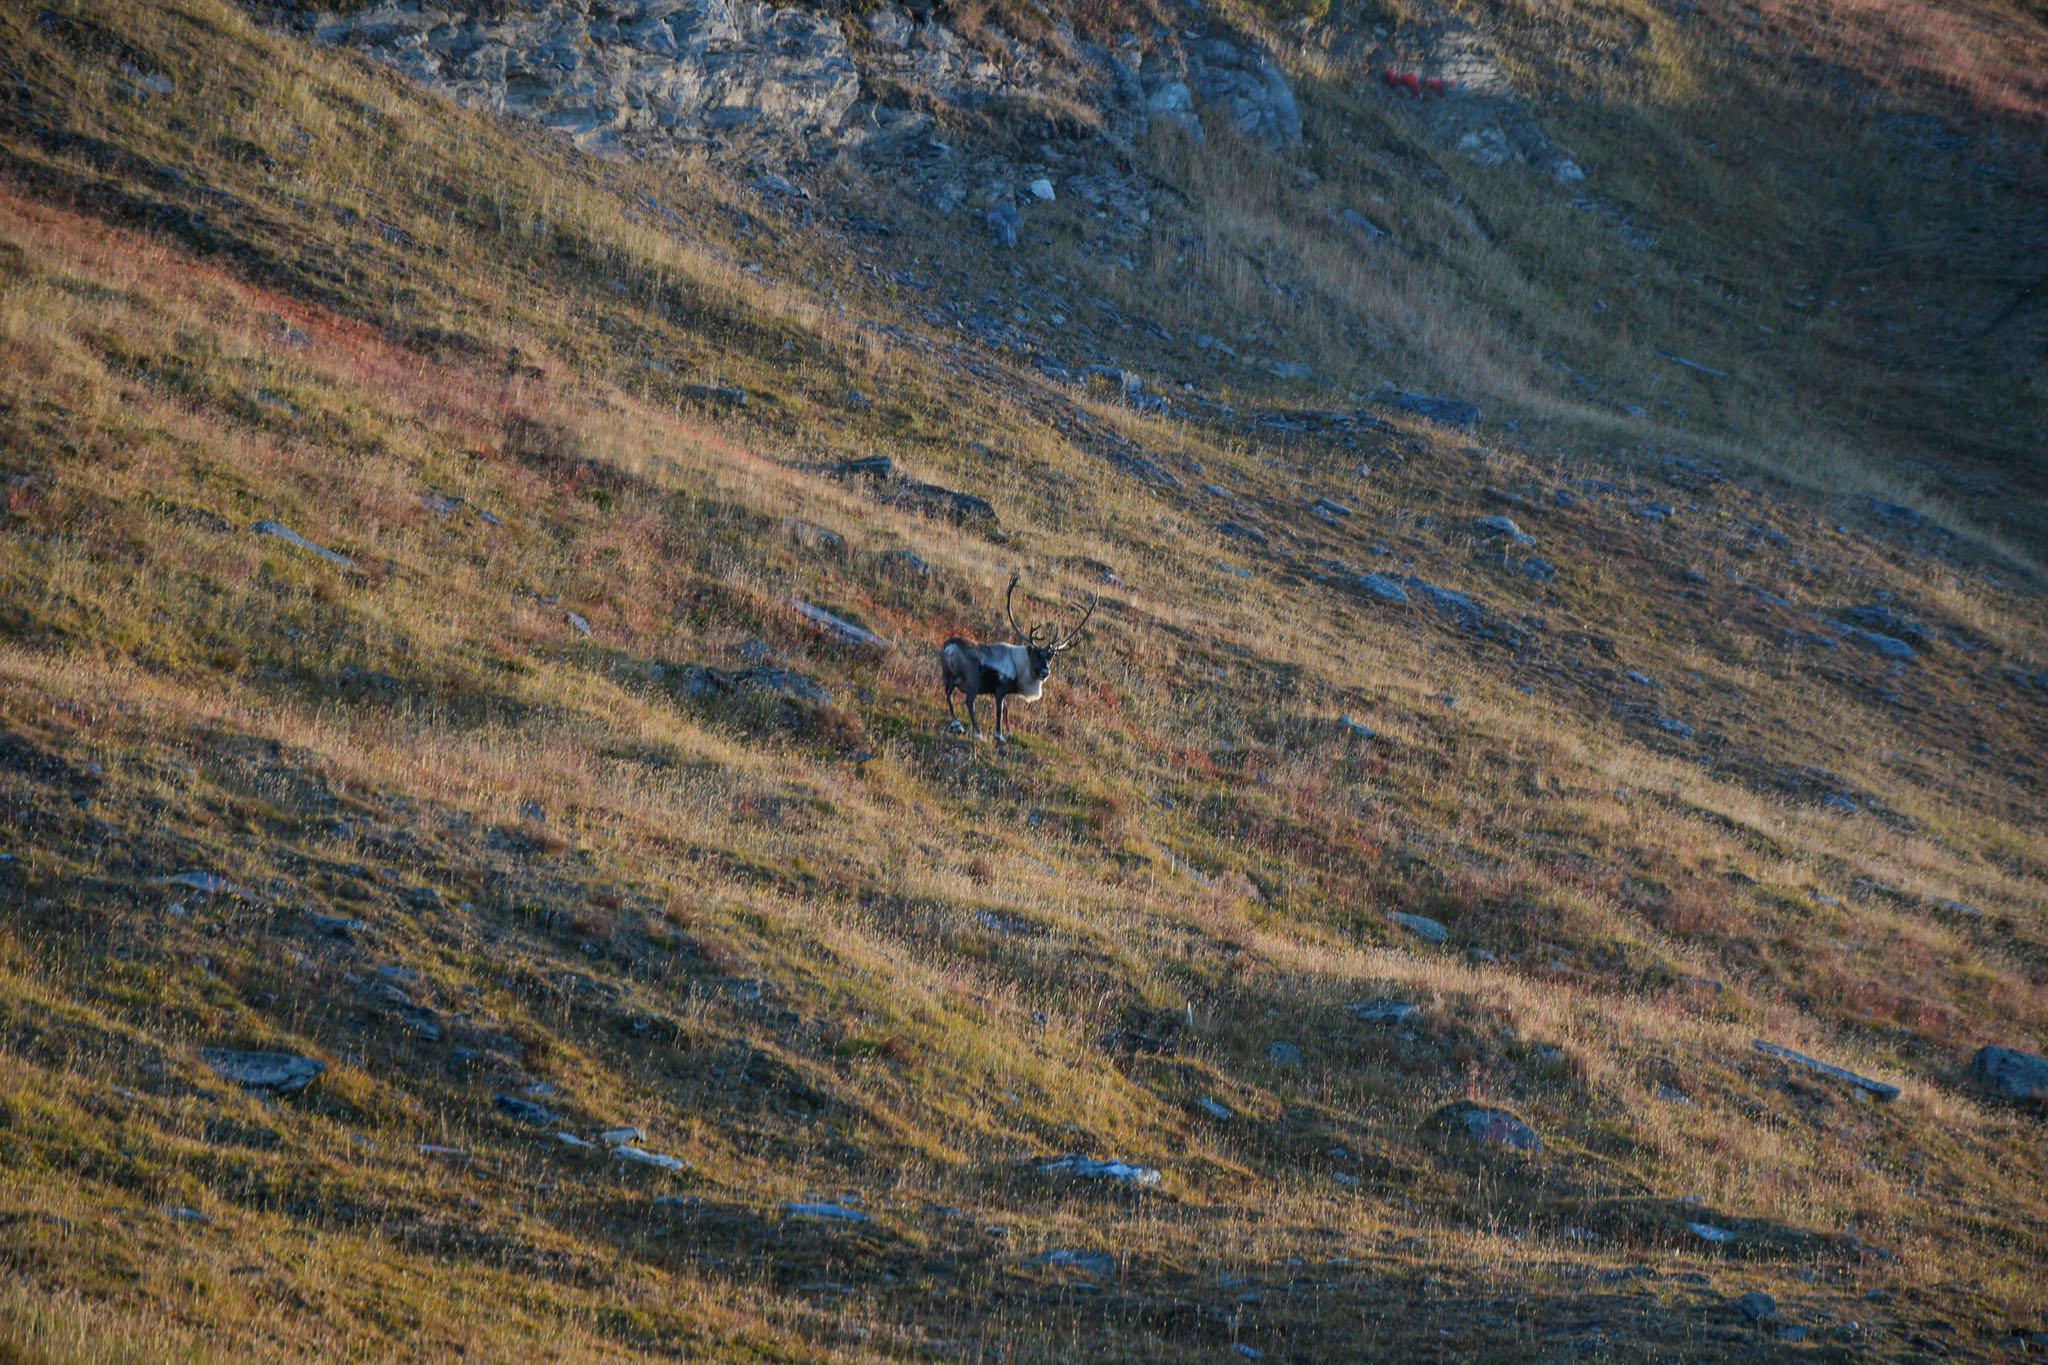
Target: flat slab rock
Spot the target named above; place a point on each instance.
(1097, 1263)
(1423, 926)
(1383, 1010)
(640, 1156)
(2009, 1072)
(1879, 1089)
(280, 1071)
(839, 626)
(1491, 1127)
(824, 1211)
(1088, 1168)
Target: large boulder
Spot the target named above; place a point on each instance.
(1477, 1123)
(1245, 87)
(2011, 1073)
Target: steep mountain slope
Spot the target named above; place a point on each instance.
(415, 537)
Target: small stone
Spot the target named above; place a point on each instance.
(208, 882)
(1383, 1010)
(1708, 1232)
(1362, 731)
(1088, 1168)
(1757, 1306)
(1100, 1264)
(621, 1137)
(280, 1071)
(1383, 587)
(1282, 1053)
(1213, 1109)
(1480, 955)
(1491, 1127)
(526, 1111)
(824, 1212)
(844, 629)
(1495, 528)
(577, 623)
(640, 1156)
(266, 527)
(1040, 188)
(1423, 926)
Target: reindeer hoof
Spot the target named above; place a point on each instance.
(1002, 738)
(957, 728)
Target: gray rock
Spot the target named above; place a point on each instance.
(1283, 1053)
(1100, 1264)
(1451, 412)
(824, 1212)
(844, 629)
(867, 466)
(279, 1071)
(640, 1156)
(1246, 88)
(1330, 507)
(1879, 1089)
(2009, 1072)
(1456, 605)
(1877, 616)
(1003, 223)
(643, 74)
(210, 883)
(1707, 1232)
(785, 682)
(1212, 1108)
(267, 527)
(1383, 1010)
(1496, 528)
(621, 1137)
(1362, 225)
(1088, 1168)
(1890, 646)
(526, 1111)
(1383, 587)
(1172, 102)
(1757, 1306)
(1422, 926)
(889, 25)
(577, 623)
(1542, 570)
(1362, 731)
(147, 81)
(1491, 1127)
(1040, 188)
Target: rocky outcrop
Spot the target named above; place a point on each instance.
(621, 74)
(1208, 75)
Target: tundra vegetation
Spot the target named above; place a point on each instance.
(513, 787)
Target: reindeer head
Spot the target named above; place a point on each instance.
(1039, 644)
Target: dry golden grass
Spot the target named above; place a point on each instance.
(829, 951)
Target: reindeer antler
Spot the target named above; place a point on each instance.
(1067, 641)
(1016, 629)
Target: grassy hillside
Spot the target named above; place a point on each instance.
(480, 805)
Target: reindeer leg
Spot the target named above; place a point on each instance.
(971, 716)
(1001, 697)
(956, 726)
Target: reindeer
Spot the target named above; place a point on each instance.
(1001, 671)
